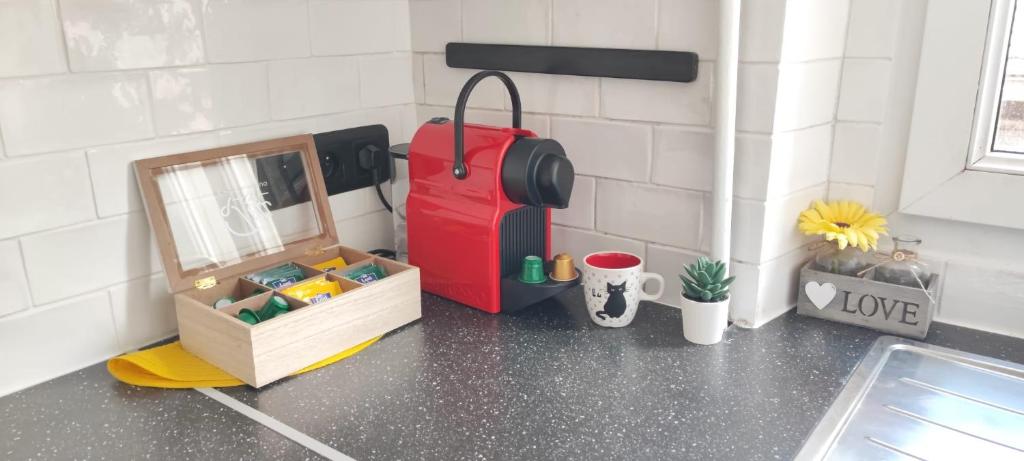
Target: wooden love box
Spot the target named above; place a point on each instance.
(221, 214)
(895, 309)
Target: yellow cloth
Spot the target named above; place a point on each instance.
(172, 367)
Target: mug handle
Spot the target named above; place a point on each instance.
(644, 277)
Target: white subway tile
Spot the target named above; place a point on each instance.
(79, 259)
(275, 129)
(743, 293)
(799, 159)
(13, 284)
(313, 86)
(443, 84)
(856, 192)
(55, 340)
(984, 298)
(354, 203)
(780, 232)
(368, 232)
(386, 80)
(59, 113)
(747, 229)
(125, 34)
(434, 23)
(654, 214)
(537, 123)
(671, 102)
(684, 157)
(763, 231)
(358, 26)
(208, 98)
(692, 25)
(865, 90)
(390, 117)
(30, 39)
(556, 94)
(580, 243)
(689, 25)
(756, 91)
(241, 30)
(605, 23)
(417, 78)
(761, 25)
(607, 149)
(581, 205)
(425, 113)
(143, 311)
(523, 22)
(814, 29)
(855, 153)
(765, 291)
(669, 262)
(44, 192)
(873, 28)
(779, 281)
(807, 94)
(408, 123)
(113, 176)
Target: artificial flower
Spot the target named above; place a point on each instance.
(844, 222)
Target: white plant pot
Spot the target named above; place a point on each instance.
(704, 323)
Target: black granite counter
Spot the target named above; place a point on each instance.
(461, 384)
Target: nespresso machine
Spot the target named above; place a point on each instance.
(480, 200)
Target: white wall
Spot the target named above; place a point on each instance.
(983, 285)
(86, 87)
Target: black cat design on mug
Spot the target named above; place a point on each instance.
(615, 306)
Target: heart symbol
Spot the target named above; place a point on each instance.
(820, 294)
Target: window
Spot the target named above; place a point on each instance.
(965, 151)
(1009, 129)
(998, 144)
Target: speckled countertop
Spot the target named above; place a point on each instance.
(460, 384)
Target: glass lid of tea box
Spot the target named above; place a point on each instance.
(238, 209)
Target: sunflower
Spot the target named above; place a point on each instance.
(846, 223)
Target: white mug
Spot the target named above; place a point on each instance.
(613, 282)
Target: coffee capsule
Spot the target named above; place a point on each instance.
(248, 316)
(565, 269)
(274, 307)
(533, 270)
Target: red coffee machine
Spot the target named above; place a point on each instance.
(480, 200)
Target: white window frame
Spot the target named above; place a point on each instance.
(982, 157)
(950, 172)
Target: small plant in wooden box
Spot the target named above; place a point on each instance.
(840, 284)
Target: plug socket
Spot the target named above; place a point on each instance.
(339, 153)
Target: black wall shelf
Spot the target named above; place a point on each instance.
(668, 66)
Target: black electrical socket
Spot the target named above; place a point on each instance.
(339, 157)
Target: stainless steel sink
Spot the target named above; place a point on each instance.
(909, 400)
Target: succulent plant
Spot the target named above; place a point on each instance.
(704, 281)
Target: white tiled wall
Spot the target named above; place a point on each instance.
(643, 150)
(87, 87)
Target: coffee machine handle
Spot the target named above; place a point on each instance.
(460, 113)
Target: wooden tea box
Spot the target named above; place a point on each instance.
(221, 214)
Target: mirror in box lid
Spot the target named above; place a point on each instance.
(229, 210)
